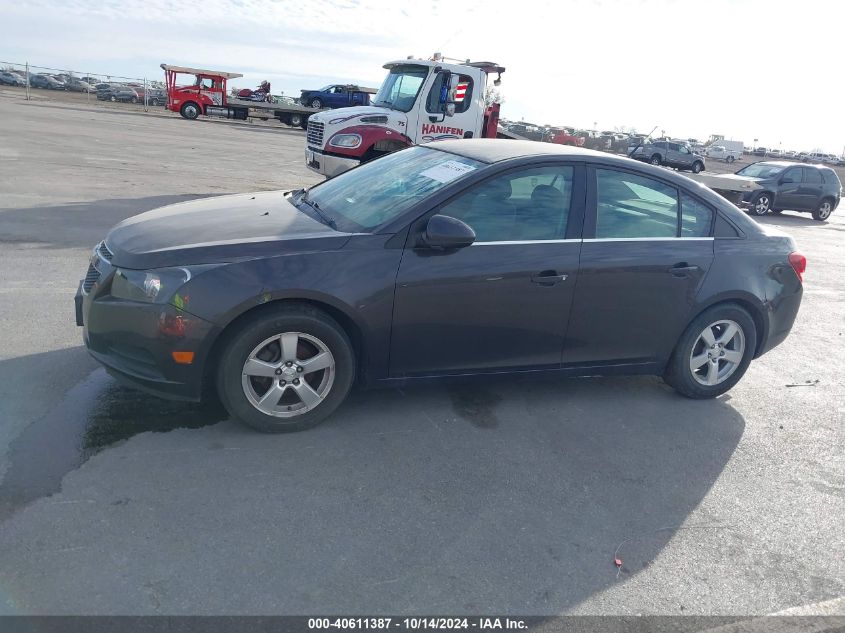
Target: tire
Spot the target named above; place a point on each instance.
(655, 160)
(134, 100)
(730, 159)
(113, 99)
(310, 333)
(712, 379)
(761, 204)
(317, 103)
(697, 167)
(295, 120)
(190, 110)
(823, 211)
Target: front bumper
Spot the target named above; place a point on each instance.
(329, 165)
(135, 341)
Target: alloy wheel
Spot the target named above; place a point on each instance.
(825, 209)
(288, 374)
(761, 206)
(717, 352)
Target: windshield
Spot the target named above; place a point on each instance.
(380, 191)
(400, 88)
(761, 170)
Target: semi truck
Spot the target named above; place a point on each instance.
(420, 100)
(204, 93)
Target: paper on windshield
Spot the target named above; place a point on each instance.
(448, 171)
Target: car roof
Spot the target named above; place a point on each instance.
(490, 150)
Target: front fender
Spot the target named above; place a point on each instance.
(370, 136)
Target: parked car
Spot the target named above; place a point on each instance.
(336, 96)
(460, 257)
(156, 96)
(720, 152)
(45, 81)
(760, 151)
(107, 92)
(78, 85)
(815, 157)
(10, 79)
(670, 154)
(128, 95)
(786, 186)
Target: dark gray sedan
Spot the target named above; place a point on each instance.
(456, 258)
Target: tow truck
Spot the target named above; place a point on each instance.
(205, 94)
(420, 100)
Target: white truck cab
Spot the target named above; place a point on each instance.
(419, 101)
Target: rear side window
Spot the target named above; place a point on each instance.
(696, 217)
(631, 206)
(812, 176)
(830, 177)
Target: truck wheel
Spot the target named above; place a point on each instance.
(286, 369)
(823, 211)
(190, 110)
(317, 103)
(730, 159)
(697, 167)
(295, 120)
(655, 160)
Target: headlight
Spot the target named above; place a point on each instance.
(154, 286)
(345, 140)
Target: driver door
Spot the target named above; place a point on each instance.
(503, 302)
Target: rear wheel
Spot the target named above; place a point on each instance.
(824, 210)
(295, 120)
(730, 159)
(762, 204)
(713, 353)
(286, 369)
(190, 110)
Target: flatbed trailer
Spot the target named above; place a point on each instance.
(291, 114)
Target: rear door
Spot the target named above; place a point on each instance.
(811, 190)
(642, 263)
(502, 303)
(789, 194)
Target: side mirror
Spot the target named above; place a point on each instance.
(444, 232)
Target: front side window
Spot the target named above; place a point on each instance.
(632, 206)
(463, 93)
(526, 205)
(696, 217)
(793, 174)
(400, 88)
(684, 149)
(379, 191)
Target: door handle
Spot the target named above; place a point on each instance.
(548, 278)
(683, 270)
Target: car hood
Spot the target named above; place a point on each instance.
(219, 229)
(353, 116)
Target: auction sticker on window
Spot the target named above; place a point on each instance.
(448, 171)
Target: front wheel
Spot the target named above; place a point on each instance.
(190, 111)
(317, 103)
(823, 211)
(762, 204)
(655, 160)
(286, 369)
(713, 353)
(697, 167)
(730, 159)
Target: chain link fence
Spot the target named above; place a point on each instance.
(78, 86)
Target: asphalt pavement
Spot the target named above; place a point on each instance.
(508, 496)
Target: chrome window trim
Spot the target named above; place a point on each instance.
(647, 239)
(512, 242)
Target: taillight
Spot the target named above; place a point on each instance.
(799, 264)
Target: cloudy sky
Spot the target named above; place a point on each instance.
(748, 69)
